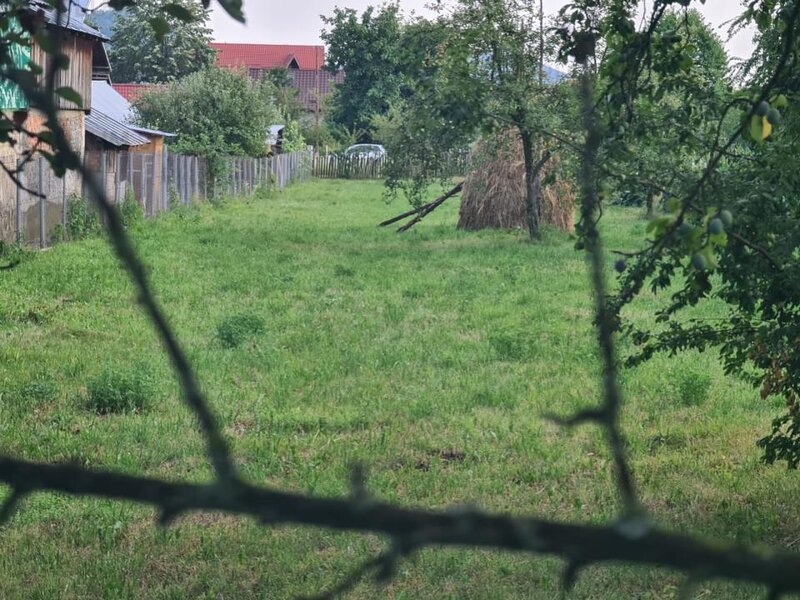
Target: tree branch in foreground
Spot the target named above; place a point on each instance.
(629, 541)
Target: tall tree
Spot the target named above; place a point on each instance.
(157, 41)
(368, 49)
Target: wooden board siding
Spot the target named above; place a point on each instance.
(79, 74)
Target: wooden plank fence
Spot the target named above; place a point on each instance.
(338, 166)
(157, 181)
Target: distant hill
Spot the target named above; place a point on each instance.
(102, 20)
(553, 75)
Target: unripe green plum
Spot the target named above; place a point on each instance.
(762, 109)
(727, 217)
(684, 230)
(699, 262)
(774, 116)
(716, 226)
(619, 266)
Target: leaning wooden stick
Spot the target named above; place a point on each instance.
(421, 211)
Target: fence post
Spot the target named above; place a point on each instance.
(117, 199)
(196, 161)
(175, 181)
(143, 184)
(164, 178)
(129, 176)
(195, 178)
(42, 207)
(204, 165)
(64, 202)
(184, 180)
(20, 192)
(103, 169)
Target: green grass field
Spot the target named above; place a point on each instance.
(430, 356)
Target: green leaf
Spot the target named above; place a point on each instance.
(179, 12)
(160, 27)
(70, 95)
(233, 8)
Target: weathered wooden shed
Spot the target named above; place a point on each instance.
(119, 150)
(83, 46)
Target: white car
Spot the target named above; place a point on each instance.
(366, 151)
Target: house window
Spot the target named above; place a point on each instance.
(255, 73)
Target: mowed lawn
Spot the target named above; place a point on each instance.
(430, 356)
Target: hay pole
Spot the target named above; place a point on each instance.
(421, 211)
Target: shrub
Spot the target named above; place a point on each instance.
(82, 219)
(236, 329)
(693, 388)
(10, 254)
(120, 391)
(130, 210)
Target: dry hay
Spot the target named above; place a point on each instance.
(494, 190)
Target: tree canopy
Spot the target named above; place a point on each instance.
(151, 45)
(213, 112)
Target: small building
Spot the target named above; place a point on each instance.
(304, 64)
(119, 151)
(83, 46)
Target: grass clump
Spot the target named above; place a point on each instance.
(234, 330)
(11, 254)
(131, 212)
(82, 219)
(119, 391)
(693, 388)
(37, 391)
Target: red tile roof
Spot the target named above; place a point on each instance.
(133, 91)
(311, 85)
(268, 56)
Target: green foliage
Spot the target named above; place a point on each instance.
(120, 390)
(215, 113)
(82, 219)
(693, 388)
(391, 366)
(11, 254)
(287, 99)
(236, 329)
(732, 226)
(37, 391)
(131, 212)
(293, 140)
(139, 54)
(368, 49)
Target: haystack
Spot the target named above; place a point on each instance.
(494, 190)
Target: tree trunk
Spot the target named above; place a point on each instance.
(533, 184)
(650, 203)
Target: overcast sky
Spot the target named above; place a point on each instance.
(298, 22)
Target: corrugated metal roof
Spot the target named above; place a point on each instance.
(112, 131)
(73, 21)
(111, 103)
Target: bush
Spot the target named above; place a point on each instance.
(10, 254)
(130, 210)
(236, 329)
(693, 388)
(82, 219)
(124, 391)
